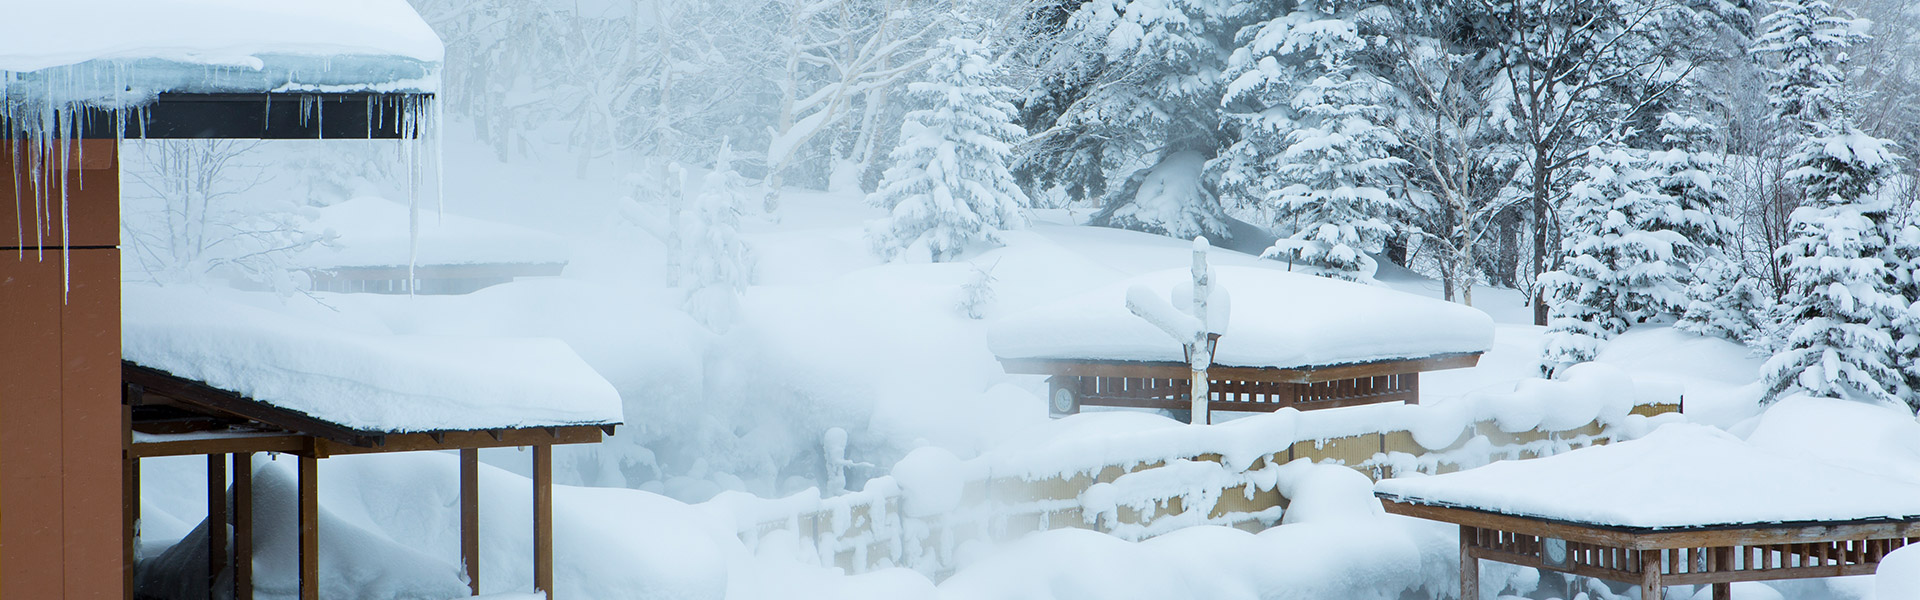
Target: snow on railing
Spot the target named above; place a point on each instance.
(1141, 484)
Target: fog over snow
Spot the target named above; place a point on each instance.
(799, 236)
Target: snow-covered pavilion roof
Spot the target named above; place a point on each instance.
(1680, 476)
(117, 52)
(356, 372)
(373, 232)
(1277, 320)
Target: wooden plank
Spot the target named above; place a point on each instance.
(309, 515)
(543, 519)
(31, 535)
(129, 503)
(216, 517)
(243, 526)
(470, 516)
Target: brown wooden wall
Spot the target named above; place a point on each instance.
(60, 419)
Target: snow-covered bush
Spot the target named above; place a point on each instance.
(716, 264)
(949, 188)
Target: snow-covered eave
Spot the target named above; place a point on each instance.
(424, 269)
(304, 423)
(1391, 499)
(1072, 366)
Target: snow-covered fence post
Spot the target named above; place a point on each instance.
(1197, 328)
(1200, 349)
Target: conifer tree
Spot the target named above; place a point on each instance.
(1842, 299)
(1621, 267)
(716, 262)
(1338, 170)
(949, 188)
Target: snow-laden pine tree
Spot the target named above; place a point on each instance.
(949, 188)
(1271, 61)
(1903, 255)
(1806, 41)
(1725, 303)
(1841, 298)
(1687, 173)
(1124, 103)
(1619, 267)
(716, 265)
(1338, 171)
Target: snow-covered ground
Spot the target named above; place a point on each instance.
(829, 337)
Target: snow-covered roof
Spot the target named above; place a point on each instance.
(1681, 475)
(123, 52)
(356, 372)
(372, 232)
(1278, 319)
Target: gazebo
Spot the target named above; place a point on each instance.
(1685, 505)
(1292, 341)
(207, 373)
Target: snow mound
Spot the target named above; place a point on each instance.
(355, 561)
(358, 374)
(373, 232)
(1664, 481)
(1899, 573)
(1286, 320)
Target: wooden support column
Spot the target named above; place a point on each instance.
(1723, 559)
(1469, 566)
(1650, 585)
(216, 519)
(309, 528)
(470, 516)
(543, 519)
(129, 497)
(243, 526)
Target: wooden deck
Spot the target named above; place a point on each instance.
(1156, 385)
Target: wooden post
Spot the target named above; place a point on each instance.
(216, 518)
(243, 526)
(1650, 586)
(129, 497)
(309, 528)
(543, 519)
(1469, 566)
(470, 516)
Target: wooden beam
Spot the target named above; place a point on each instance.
(543, 519)
(1176, 370)
(309, 515)
(285, 444)
(454, 440)
(470, 516)
(243, 526)
(216, 517)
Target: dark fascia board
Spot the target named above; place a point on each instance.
(160, 382)
(270, 116)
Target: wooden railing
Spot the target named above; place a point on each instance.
(1238, 395)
